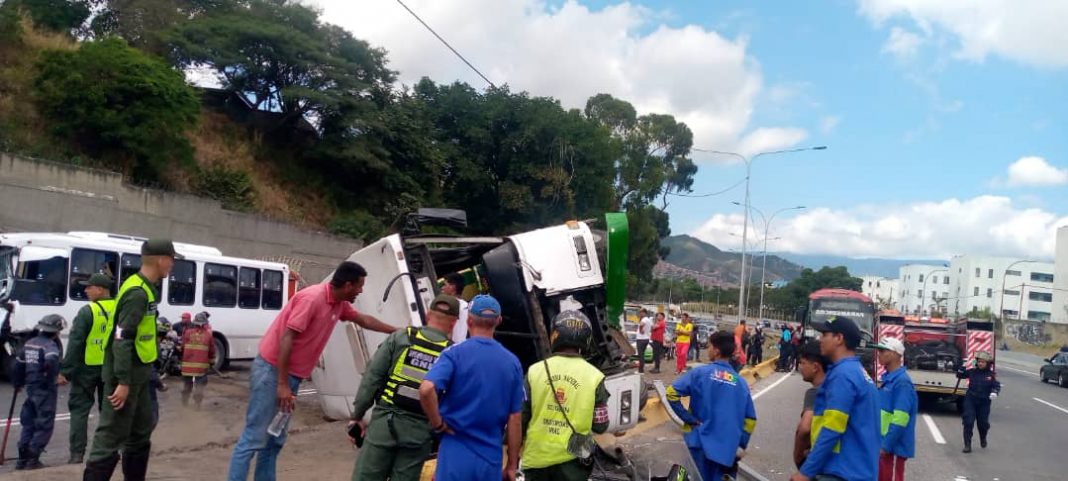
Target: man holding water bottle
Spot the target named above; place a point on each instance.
(288, 352)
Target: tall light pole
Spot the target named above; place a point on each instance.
(925, 279)
(764, 267)
(1001, 303)
(745, 223)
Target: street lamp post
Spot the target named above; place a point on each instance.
(745, 222)
(764, 266)
(925, 279)
(1001, 303)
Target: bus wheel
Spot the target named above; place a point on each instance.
(222, 361)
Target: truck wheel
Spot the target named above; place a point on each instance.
(222, 360)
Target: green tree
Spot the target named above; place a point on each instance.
(144, 24)
(54, 15)
(119, 104)
(795, 294)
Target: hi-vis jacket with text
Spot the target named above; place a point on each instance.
(845, 426)
(720, 402)
(898, 405)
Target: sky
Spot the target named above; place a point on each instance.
(944, 122)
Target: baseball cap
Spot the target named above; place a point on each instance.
(159, 247)
(891, 344)
(446, 304)
(484, 305)
(186, 315)
(840, 325)
(99, 280)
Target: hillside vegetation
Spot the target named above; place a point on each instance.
(310, 125)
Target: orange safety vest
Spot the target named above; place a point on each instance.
(198, 348)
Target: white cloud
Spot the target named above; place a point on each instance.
(572, 52)
(829, 123)
(1035, 172)
(902, 44)
(1027, 31)
(986, 225)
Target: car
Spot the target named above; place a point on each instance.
(1056, 369)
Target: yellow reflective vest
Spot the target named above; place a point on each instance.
(103, 323)
(145, 342)
(576, 384)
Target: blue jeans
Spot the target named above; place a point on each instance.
(254, 441)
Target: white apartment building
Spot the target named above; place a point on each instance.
(1009, 287)
(923, 289)
(881, 289)
(1060, 278)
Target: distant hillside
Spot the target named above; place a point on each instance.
(690, 257)
(857, 267)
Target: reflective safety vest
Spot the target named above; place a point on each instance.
(103, 323)
(402, 386)
(145, 342)
(576, 384)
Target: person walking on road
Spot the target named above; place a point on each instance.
(721, 417)
(397, 442)
(84, 358)
(657, 336)
(454, 286)
(683, 333)
(756, 347)
(564, 390)
(813, 367)
(645, 330)
(126, 420)
(899, 405)
(983, 387)
(198, 354)
(287, 354)
(473, 397)
(845, 422)
(785, 349)
(37, 370)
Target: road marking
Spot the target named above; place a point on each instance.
(1054, 406)
(935, 433)
(776, 383)
(305, 392)
(1019, 370)
(59, 417)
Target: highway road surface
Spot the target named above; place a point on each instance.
(1028, 438)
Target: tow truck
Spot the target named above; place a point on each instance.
(534, 275)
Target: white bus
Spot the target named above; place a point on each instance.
(243, 296)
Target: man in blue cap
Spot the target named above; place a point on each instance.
(471, 393)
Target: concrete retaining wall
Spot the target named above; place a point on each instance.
(1035, 333)
(40, 196)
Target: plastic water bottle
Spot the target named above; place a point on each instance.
(279, 423)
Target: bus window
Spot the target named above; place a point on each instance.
(131, 263)
(181, 286)
(85, 262)
(220, 285)
(248, 288)
(41, 282)
(272, 289)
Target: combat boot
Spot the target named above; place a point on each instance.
(20, 464)
(135, 465)
(76, 458)
(967, 448)
(100, 470)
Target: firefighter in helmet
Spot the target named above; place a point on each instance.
(566, 402)
(983, 387)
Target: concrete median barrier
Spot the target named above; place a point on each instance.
(760, 371)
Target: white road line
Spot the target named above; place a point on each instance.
(16, 423)
(1054, 406)
(305, 392)
(1018, 370)
(776, 383)
(935, 433)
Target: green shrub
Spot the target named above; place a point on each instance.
(232, 187)
(358, 224)
(119, 104)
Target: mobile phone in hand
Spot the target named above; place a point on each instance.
(356, 432)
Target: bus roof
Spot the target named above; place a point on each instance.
(834, 292)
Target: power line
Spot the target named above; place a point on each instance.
(710, 194)
(446, 44)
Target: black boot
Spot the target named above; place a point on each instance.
(135, 465)
(967, 447)
(33, 461)
(982, 442)
(20, 464)
(100, 470)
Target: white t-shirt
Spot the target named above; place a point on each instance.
(645, 328)
(459, 331)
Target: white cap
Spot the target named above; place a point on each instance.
(891, 344)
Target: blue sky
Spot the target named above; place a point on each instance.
(944, 121)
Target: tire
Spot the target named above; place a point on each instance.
(1062, 380)
(1042, 376)
(222, 360)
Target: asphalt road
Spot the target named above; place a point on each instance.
(1027, 440)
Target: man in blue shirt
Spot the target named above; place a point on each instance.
(721, 417)
(845, 422)
(470, 395)
(898, 403)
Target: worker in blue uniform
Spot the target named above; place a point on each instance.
(898, 404)
(983, 387)
(37, 370)
(845, 423)
(721, 417)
